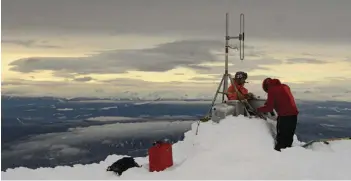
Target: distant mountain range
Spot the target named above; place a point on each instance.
(151, 98)
(6, 97)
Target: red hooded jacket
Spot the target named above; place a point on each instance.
(279, 98)
(232, 95)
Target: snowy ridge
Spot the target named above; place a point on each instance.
(237, 148)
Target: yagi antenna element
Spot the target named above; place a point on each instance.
(241, 37)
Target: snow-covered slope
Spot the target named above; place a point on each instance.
(237, 148)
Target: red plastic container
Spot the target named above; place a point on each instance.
(160, 156)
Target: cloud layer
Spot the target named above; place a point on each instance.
(30, 43)
(305, 60)
(72, 142)
(164, 57)
(316, 20)
(191, 55)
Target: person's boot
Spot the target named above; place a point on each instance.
(277, 148)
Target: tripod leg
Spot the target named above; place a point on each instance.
(225, 85)
(215, 96)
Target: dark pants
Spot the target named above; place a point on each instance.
(286, 126)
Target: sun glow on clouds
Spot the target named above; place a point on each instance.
(77, 46)
(320, 67)
(305, 72)
(178, 74)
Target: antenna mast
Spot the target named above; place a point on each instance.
(226, 74)
(227, 46)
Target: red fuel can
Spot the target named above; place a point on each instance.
(160, 156)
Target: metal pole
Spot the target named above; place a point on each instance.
(226, 43)
(225, 83)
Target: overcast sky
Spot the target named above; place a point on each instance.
(102, 48)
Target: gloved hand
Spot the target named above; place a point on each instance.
(250, 95)
(260, 114)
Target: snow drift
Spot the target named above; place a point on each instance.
(237, 148)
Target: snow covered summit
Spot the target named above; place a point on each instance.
(237, 148)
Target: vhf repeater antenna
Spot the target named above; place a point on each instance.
(241, 48)
(226, 75)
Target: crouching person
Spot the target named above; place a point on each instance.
(239, 82)
(281, 99)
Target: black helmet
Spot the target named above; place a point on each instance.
(241, 75)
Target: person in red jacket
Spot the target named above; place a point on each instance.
(239, 81)
(281, 99)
